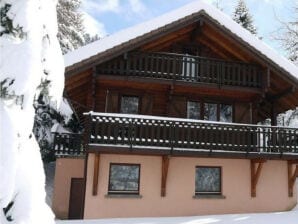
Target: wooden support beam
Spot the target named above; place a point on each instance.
(93, 88)
(196, 31)
(256, 166)
(292, 176)
(273, 115)
(95, 174)
(281, 94)
(164, 174)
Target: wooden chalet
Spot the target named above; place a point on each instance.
(170, 110)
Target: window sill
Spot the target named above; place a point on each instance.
(123, 196)
(209, 196)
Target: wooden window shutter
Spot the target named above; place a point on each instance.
(112, 101)
(177, 107)
(146, 104)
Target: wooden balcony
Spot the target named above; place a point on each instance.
(184, 68)
(68, 144)
(119, 133)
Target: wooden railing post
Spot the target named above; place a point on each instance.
(87, 133)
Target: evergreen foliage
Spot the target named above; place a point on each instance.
(70, 25)
(71, 30)
(242, 16)
(71, 35)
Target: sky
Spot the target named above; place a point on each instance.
(106, 17)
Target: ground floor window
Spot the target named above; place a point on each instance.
(208, 181)
(124, 179)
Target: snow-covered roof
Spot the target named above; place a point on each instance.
(98, 47)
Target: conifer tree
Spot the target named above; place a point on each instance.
(71, 35)
(70, 25)
(242, 16)
(29, 54)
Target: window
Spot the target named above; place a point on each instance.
(210, 112)
(124, 179)
(129, 105)
(193, 110)
(208, 181)
(226, 113)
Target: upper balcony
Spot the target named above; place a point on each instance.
(179, 67)
(122, 133)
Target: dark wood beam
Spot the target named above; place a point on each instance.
(93, 88)
(196, 31)
(273, 115)
(164, 174)
(266, 81)
(292, 176)
(191, 153)
(95, 174)
(280, 94)
(256, 166)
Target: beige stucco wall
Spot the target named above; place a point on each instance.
(272, 191)
(66, 168)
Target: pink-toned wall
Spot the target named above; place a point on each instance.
(272, 189)
(66, 168)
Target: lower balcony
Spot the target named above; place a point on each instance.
(138, 134)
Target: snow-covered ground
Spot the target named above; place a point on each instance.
(261, 218)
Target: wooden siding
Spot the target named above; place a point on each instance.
(200, 38)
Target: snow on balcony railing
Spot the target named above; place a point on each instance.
(177, 133)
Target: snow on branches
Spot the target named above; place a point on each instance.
(30, 55)
(242, 16)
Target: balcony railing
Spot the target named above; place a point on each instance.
(171, 135)
(68, 144)
(185, 68)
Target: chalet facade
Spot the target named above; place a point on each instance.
(170, 111)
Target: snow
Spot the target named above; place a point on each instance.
(261, 218)
(65, 110)
(58, 128)
(28, 56)
(139, 30)
(155, 118)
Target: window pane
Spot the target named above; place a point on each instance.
(129, 105)
(124, 178)
(210, 112)
(193, 110)
(208, 180)
(226, 113)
